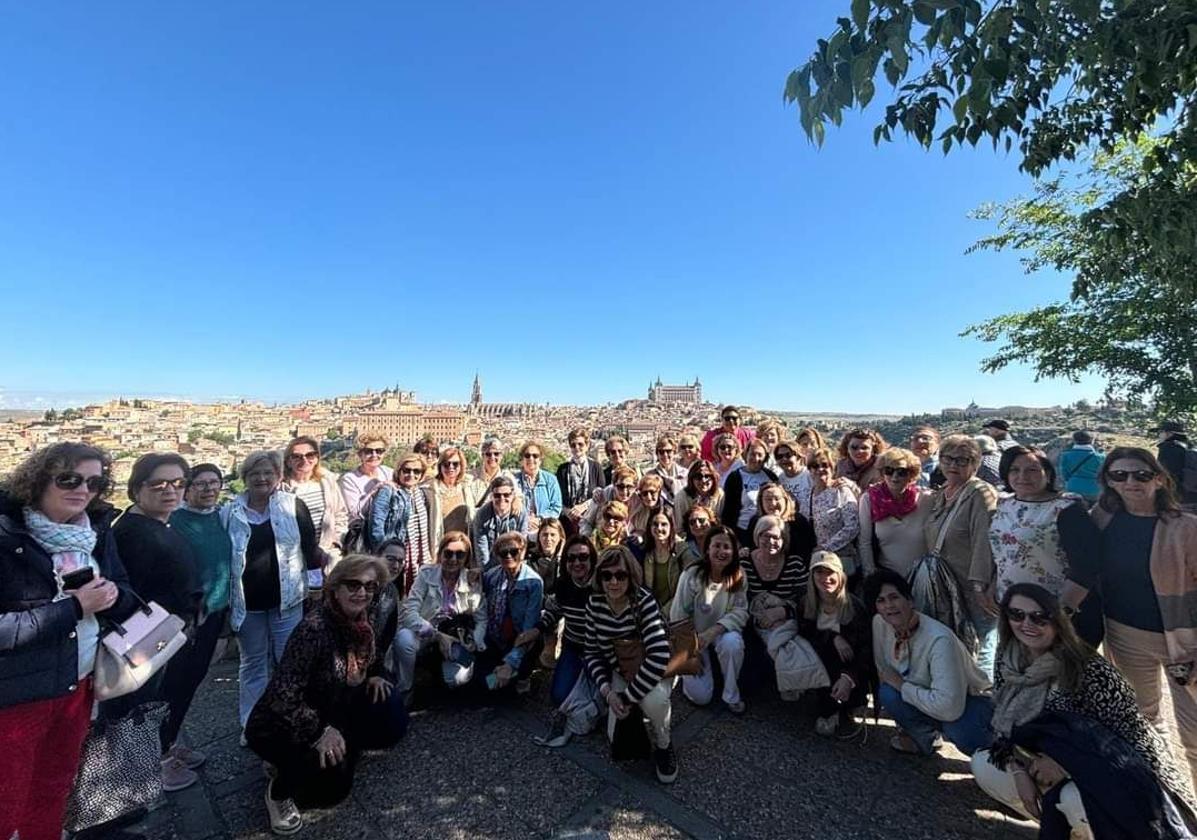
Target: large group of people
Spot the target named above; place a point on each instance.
(964, 583)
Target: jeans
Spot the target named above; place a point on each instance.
(729, 650)
(186, 671)
(970, 732)
(262, 638)
(987, 637)
(570, 666)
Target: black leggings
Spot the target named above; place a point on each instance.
(184, 673)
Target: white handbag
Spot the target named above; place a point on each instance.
(136, 649)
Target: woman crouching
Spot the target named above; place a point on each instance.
(328, 700)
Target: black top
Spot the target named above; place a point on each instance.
(261, 576)
(1127, 589)
(1172, 458)
(160, 564)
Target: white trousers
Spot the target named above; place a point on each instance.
(729, 650)
(655, 705)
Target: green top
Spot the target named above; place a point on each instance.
(213, 554)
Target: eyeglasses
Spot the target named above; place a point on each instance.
(1017, 616)
(531, 456)
(492, 454)
(260, 475)
(508, 553)
(310, 457)
(860, 447)
(687, 447)
(955, 460)
(371, 450)
(648, 492)
(356, 586)
(578, 557)
(1141, 476)
(626, 487)
(898, 472)
(72, 480)
(206, 485)
(606, 576)
(453, 554)
(453, 465)
(411, 471)
(161, 484)
(506, 495)
(700, 523)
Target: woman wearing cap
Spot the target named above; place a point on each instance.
(837, 625)
(358, 485)
(858, 451)
(714, 596)
(1145, 569)
(445, 615)
(305, 476)
(620, 608)
(831, 506)
(741, 487)
(702, 488)
(892, 514)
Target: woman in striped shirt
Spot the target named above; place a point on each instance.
(622, 609)
(775, 580)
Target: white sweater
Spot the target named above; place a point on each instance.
(937, 671)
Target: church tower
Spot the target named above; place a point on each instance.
(476, 393)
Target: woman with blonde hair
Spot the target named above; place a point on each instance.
(649, 499)
(399, 511)
(808, 440)
(741, 487)
(858, 451)
(830, 504)
(838, 627)
(892, 513)
(452, 497)
(770, 432)
(305, 476)
(800, 534)
(727, 451)
(621, 489)
(358, 485)
(613, 525)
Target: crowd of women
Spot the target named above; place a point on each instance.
(950, 580)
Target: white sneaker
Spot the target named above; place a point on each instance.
(284, 816)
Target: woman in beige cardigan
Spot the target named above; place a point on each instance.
(962, 510)
(1146, 570)
(453, 496)
(304, 476)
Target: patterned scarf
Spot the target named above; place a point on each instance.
(883, 505)
(417, 523)
(902, 637)
(69, 544)
(357, 638)
(497, 612)
(1025, 687)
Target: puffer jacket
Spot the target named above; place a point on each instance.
(39, 657)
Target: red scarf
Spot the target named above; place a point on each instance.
(357, 637)
(883, 505)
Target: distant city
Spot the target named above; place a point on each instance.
(224, 432)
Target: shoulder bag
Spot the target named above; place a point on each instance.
(135, 649)
(936, 589)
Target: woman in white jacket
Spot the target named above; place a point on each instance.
(713, 594)
(445, 615)
(305, 476)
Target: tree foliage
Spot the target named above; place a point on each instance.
(1054, 77)
(1131, 317)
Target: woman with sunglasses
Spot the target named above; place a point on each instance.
(328, 700)
(451, 497)
(957, 524)
(1063, 718)
(667, 468)
(574, 698)
(648, 501)
(858, 451)
(56, 576)
(358, 485)
(274, 545)
(741, 487)
(514, 597)
(399, 511)
(1038, 531)
(491, 467)
(714, 596)
(305, 476)
(497, 516)
(613, 525)
(702, 488)
(445, 616)
(730, 417)
(830, 503)
(622, 489)
(727, 456)
(620, 609)
(687, 453)
(699, 521)
(892, 514)
(791, 467)
(541, 492)
(1145, 569)
(161, 568)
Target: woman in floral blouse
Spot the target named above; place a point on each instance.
(1037, 530)
(831, 506)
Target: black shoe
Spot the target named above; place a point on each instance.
(666, 761)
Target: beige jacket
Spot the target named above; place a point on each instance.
(336, 515)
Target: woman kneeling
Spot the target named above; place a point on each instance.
(328, 700)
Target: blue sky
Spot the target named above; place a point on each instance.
(300, 199)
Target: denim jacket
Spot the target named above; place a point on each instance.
(523, 603)
(545, 493)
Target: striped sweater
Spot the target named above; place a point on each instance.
(790, 585)
(568, 602)
(642, 620)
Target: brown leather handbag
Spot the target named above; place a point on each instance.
(683, 652)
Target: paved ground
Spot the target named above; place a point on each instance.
(469, 772)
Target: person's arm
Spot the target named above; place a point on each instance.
(945, 698)
(980, 515)
(1080, 540)
(550, 615)
(384, 635)
(482, 536)
(596, 662)
(656, 649)
(552, 506)
(682, 605)
(334, 506)
(865, 546)
(526, 620)
(352, 494)
(412, 619)
(479, 612)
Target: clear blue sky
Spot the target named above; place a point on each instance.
(301, 199)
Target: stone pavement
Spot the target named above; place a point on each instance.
(469, 772)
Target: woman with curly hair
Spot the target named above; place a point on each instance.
(858, 451)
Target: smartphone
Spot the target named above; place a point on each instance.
(75, 579)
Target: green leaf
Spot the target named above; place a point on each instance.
(864, 92)
(924, 12)
(860, 13)
(960, 109)
(817, 132)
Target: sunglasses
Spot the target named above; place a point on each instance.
(508, 553)
(356, 586)
(411, 471)
(785, 456)
(371, 450)
(612, 518)
(531, 456)
(1017, 616)
(699, 523)
(453, 554)
(311, 457)
(687, 447)
(647, 492)
(492, 454)
(821, 467)
(665, 451)
(72, 480)
(162, 483)
(500, 495)
(900, 472)
(453, 464)
(625, 486)
(578, 557)
(1141, 476)
(731, 418)
(606, 576)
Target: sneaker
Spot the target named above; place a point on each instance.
(176, 776)
(737, 708)
(284, 816)
(558, 735)
(523, 686)
(825, 726)
(192, 759)
(666, 761)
